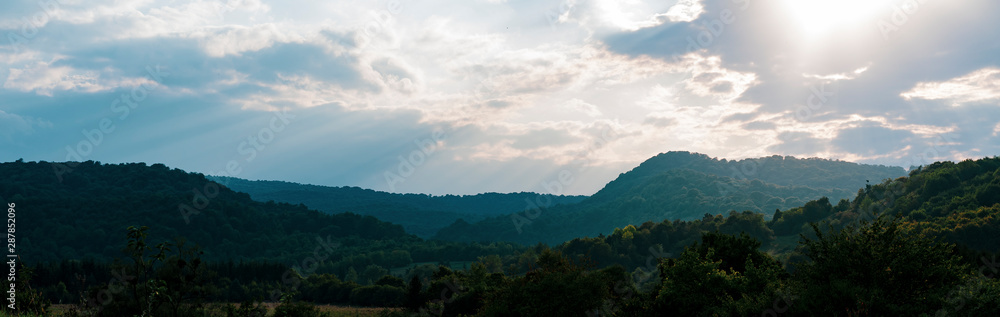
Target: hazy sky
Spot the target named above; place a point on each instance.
(472, 96)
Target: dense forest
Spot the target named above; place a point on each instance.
(420, 214)
(679, 185)
(918, 245)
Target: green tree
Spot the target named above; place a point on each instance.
(881, 268)
(378, 295)
(152, 281)
(352, 275)
(723, 276)
(292, 308)
(413, 296)
(389, 280)
(372, 273)
(568, 288)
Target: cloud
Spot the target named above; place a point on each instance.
(604, 15)
(12, 125)
(530, 88)
(582, 107)
(871, 140)
(234, 40)
(759, 125)
(45, 78)
(659, 122)
(709, 78)
(685, 11)
(840, 76)
(978, 86)
(561, 142)
(543, 138)
(798, 143)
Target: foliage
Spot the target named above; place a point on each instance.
(378, 295)
(569, 289)
(724, 275)
(878, 268)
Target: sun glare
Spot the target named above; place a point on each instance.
(820, 17)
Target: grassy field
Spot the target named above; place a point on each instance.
(342, 311)
(333, 310)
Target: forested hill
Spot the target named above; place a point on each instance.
(684, 186)
(85, 214)
(959, 202)
(954, 202)
(842, 178)
(420, 214)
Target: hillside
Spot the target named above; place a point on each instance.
(680, 186)
(85, 215)
(420, 214)
(955, 202)
(959, 202)
(844, 178)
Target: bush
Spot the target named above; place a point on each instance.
(246, 309)
(297, 309)
(378, 295)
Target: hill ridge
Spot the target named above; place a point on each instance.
(711, 186)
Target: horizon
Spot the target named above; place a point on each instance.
(69, 170)
(494, 96)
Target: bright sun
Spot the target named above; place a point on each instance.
(819, 17)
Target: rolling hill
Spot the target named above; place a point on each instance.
(420, 214)
(680, 186)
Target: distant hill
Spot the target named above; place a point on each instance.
(420, 214)
(843, 178)
(680, 186)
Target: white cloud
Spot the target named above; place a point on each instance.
(565, 142)
(583, 107)
(709, 78)
(840, 76)
(629, 15)
(660, 99)
(233, 40)
(685, 11)
(554, 68)
(980, 85)
(44, 78)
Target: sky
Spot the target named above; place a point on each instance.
(463, 97)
